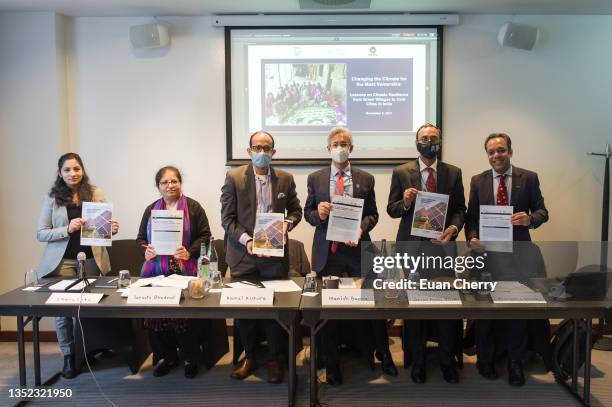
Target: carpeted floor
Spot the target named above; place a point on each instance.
(362, 387)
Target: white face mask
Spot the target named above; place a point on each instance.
(340, 154)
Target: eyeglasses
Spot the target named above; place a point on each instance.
(169, 182)
(259, 149)
(429, 140)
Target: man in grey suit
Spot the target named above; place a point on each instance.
(338, 258)
(505, 184)
(248, 190)
(427, 173)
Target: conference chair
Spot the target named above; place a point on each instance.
(299, 265)
(125, 255)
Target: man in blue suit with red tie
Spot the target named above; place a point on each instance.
(504, 184)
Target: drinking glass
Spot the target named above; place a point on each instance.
(31, 278)
(125, 279)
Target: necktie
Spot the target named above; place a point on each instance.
(339, 190)
(430, 184)
(261, 203)
(340, 184)
(502, 192)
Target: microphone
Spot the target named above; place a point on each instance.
(81, 257)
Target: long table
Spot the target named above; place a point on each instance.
(314, 315)
(30, 306)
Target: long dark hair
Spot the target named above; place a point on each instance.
(62, 192)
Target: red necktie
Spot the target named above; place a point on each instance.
(339, 190)
(502, 192)
(430, 184)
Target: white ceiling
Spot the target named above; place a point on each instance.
(205, 7)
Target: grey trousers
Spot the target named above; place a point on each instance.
(64, 326)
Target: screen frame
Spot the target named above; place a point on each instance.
(231, 161)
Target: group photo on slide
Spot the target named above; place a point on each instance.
(305, 94)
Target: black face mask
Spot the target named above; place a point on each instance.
(428, 150)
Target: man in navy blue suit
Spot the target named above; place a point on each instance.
(342, 258)
(504, 184)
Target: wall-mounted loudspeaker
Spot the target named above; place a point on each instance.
(152, 35)
(517, 36)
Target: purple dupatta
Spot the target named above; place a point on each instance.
(159, 265)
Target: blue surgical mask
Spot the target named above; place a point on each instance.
(261, 160)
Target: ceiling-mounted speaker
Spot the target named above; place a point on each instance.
(152, 35)
(520, 36)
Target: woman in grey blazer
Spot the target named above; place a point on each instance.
(59, 225)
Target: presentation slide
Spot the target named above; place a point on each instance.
(381, 83)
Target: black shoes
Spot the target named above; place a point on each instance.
(333, 375)
(516, 377)
(164, 367)
(418, 373)
(388, 367)
(487, 370)
(191, 370)
(69, 370)
(450, 374)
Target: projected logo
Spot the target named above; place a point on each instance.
(372, 51)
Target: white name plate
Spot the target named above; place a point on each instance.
(247, 296)
(74, 298)
(352, 297)
(154, 296)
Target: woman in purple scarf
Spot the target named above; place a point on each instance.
(167, 334)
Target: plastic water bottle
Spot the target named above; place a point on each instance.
(216, 279)
(203, 263)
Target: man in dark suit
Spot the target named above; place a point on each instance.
(248, 190)
(427, 173)
(342, 258)
(504, 184)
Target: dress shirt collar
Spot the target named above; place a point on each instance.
(263, 177)
(346, 171)
(508, 172)
(423, 166)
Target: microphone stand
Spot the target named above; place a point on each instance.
(83, 276)
(603, 343)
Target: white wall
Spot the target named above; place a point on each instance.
(32, 133)
(128, 113)
(553, 102)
